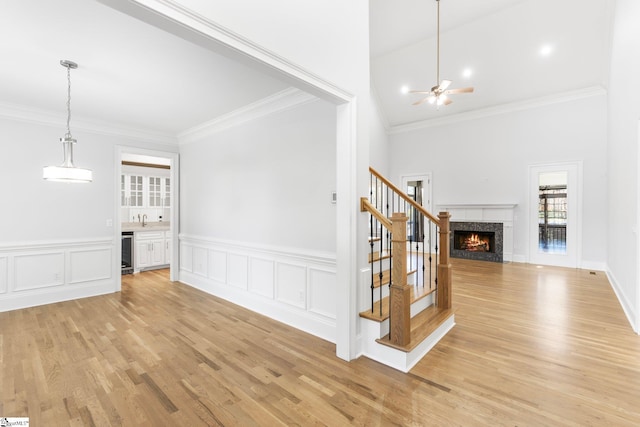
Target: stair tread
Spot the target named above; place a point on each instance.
(422, 325)
(377, 282)
(377, 256)
(417, 293)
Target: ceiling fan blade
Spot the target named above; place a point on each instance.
(420, 91)
(421, 101)
(445, 84)
(461, 90)
(447, 101)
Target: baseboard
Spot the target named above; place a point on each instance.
(627, 306)
(52, 296)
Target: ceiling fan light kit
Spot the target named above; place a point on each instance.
(67, 172)
(438, 93)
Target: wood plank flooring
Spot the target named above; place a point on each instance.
(532, 347)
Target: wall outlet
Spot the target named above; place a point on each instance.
(301, 296)
(109, 223)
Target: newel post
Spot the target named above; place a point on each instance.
(444, 267)
(400, 292)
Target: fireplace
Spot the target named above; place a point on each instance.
(477, 240)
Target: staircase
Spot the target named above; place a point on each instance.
(409, 278)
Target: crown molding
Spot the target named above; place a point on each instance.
(37, 116)
(281, 101)
(502, 109)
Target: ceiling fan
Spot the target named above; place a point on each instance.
(438, 94)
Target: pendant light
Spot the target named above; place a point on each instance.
(67, 172)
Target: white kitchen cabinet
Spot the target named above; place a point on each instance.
(167, 247)
(159, 192)
(150, 249)
(166, 192)
(145, 191)
(154, 192)
(131, 190)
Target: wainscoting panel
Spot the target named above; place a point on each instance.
(200, 256)
(288, 285)
(292, 284)
(218, 266)
(186, 257)
(36, 273)
(322, 291)
(90, 265)
(261, 277)
(4, 274)
(38, 270)
(238, 270)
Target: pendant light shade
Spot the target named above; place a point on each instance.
(67, 172)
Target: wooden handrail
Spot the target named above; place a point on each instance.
(365, 206)
(404, 196)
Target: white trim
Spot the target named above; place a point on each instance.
(347, 231)
(398, 359)
(281, 101)
(174, 158)
(501, 109)
(45, 272)
(573, 256)
(446, 206)
(271, 250)
(54, 244)
(627, 306)
(635, 322)
(49, 118)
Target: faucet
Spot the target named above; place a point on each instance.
(144, 217)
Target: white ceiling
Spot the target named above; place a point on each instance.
(498, 40)
(136, 75)
(129, 73)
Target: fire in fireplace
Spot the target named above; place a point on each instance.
(474, 241)
(477, 240)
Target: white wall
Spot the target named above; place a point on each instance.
(257, 224)
(379, 140)
(486, 160)
(624, 114)
(267, 182)
(55, 243)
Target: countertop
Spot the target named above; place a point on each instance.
(149, 226)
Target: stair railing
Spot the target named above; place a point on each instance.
(391, 213)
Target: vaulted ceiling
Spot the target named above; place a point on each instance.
(139, 76)
(516, 51)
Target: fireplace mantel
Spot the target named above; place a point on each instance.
(485, 212)
(447, 206)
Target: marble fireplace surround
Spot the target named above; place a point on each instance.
(489, 213)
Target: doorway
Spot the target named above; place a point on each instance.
(555, 194)
(418, 188)
(168, 212)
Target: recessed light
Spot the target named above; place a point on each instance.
(404, 89)
(546, 50)
(467, 73)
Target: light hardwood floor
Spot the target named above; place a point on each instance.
(532, 347)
